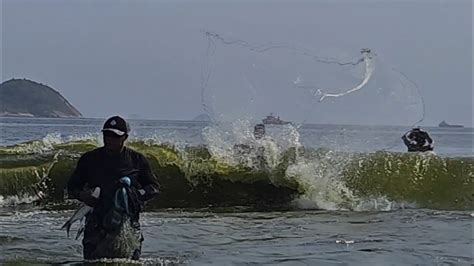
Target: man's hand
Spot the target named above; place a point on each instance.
(86, 197)
(148, 192)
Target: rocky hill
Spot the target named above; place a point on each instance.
(22, 97)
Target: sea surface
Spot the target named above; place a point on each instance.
(304, 195)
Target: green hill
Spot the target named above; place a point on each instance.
(22, 97)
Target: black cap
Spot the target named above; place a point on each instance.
(117, 125)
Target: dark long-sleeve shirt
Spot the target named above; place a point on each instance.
(418, 140)
(97, 168)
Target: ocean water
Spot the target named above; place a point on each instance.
(318, 194)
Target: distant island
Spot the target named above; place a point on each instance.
(26, 98)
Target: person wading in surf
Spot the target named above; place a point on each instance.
(242, 151)
(418, 140)
(125, 180)
(259, 131)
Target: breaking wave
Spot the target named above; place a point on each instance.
(221, 176)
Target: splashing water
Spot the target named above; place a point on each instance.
(221, 138)
(49, 142)
(270, 72)
(318, 178)
(17, 200)
(120, 244)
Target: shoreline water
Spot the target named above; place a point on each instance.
(176, 237)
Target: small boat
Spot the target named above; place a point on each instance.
(444, 124)
(272, 120)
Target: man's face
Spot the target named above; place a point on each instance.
(113, 142)
(259, 132)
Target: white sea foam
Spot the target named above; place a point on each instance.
(318, 177)
(17, 200)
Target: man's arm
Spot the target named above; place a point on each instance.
(147, 180)
(407, 140)
(428, 141)
(77, 183)
(77, 180)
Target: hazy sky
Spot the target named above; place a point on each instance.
(146, 58)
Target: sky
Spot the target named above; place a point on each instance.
(146, 59)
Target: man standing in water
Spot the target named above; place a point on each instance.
(106, 168)
(259, 131)
(418, 140)
(253, 153)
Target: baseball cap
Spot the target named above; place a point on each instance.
(117, 125)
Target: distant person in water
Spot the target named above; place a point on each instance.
(106, 168)
(252, 153)
(259, 131)
(418, 140)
